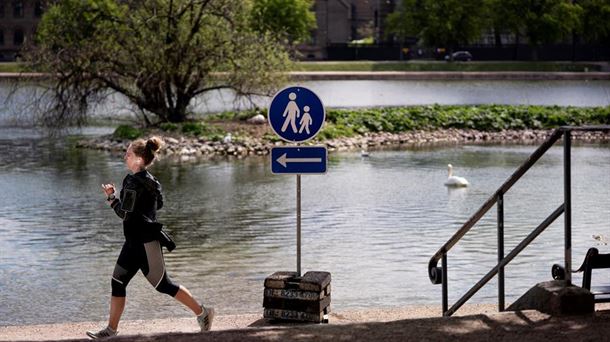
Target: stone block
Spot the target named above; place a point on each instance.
(279, 280)
(314, 281)
(307, 306)
(556, 298)
(289, 297)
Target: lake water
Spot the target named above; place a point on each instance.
(347, 94)
(372, 222)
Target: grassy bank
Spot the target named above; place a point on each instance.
(351, 122)
(445, 66)
(416, 66)
(10, 67)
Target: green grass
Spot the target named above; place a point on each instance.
(127, 132)
(444, 66)
(10, 67)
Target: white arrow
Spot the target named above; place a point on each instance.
(283, 160)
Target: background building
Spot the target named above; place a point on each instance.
(343, 21)
(18, 21)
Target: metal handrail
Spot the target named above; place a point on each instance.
(438, 275)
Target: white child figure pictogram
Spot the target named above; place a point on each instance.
(291, 113)
(305, 121)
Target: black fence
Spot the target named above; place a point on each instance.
(564, 52)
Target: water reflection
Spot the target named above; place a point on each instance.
(359, 93)
(372, 222)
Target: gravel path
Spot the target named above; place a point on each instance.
(420, 323)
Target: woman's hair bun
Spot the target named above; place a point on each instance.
(154, 144)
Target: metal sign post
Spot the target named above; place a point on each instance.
(299, 225)
(296, 114)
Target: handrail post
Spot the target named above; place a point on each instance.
(567, 202)
(500, 204)
(445, 294)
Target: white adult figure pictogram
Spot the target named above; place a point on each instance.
(291, 113)
(305, 121)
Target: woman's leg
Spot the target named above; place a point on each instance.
(124, 269)
(186, 298)
(156, 275)
(117, 305)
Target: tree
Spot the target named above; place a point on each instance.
(159, 54)
(291, 19)
(504, 18)
(541, 21)
(445, 23)
(405, 21)
(595, 24)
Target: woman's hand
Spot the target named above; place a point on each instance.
(109, 189)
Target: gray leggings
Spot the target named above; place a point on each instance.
(147, 257)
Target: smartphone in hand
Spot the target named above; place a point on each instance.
(129, 200)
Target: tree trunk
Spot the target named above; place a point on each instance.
(178, 112)
(497, 37)
(535, 52)
(516, 53)
(177, 116)
(573, 46)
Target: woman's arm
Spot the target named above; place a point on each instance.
(113, 200)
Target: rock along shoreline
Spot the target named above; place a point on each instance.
(192, 147)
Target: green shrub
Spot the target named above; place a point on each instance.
(168, 126)
(332, 131)
(483, 118)
(194, 128)
(127, 132)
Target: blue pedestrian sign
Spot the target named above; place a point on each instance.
(296, 114)
(298, 160)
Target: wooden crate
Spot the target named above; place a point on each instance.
(289, 297)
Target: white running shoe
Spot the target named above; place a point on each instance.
(106, 332)
(205, 319)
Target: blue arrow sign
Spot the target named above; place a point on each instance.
(296, 114)
(298, 160)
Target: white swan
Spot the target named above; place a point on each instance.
(364, 153)
(227, 139)
(455, 181)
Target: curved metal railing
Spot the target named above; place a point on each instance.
(438, 275)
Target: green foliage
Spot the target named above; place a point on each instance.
(11, 67)
(159, 54)
(333, 131)
(272, 137)
(345, 122)
(595, 23)
(292, 19)
(406, 21)
(127, 132)
(447, 23)
(169, 126)
(201, 129)
(194, 128)
(233, 115)
(541, 21)
(440, 22)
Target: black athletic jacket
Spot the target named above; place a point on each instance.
(137, 205)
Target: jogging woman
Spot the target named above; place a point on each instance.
(137, 205)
